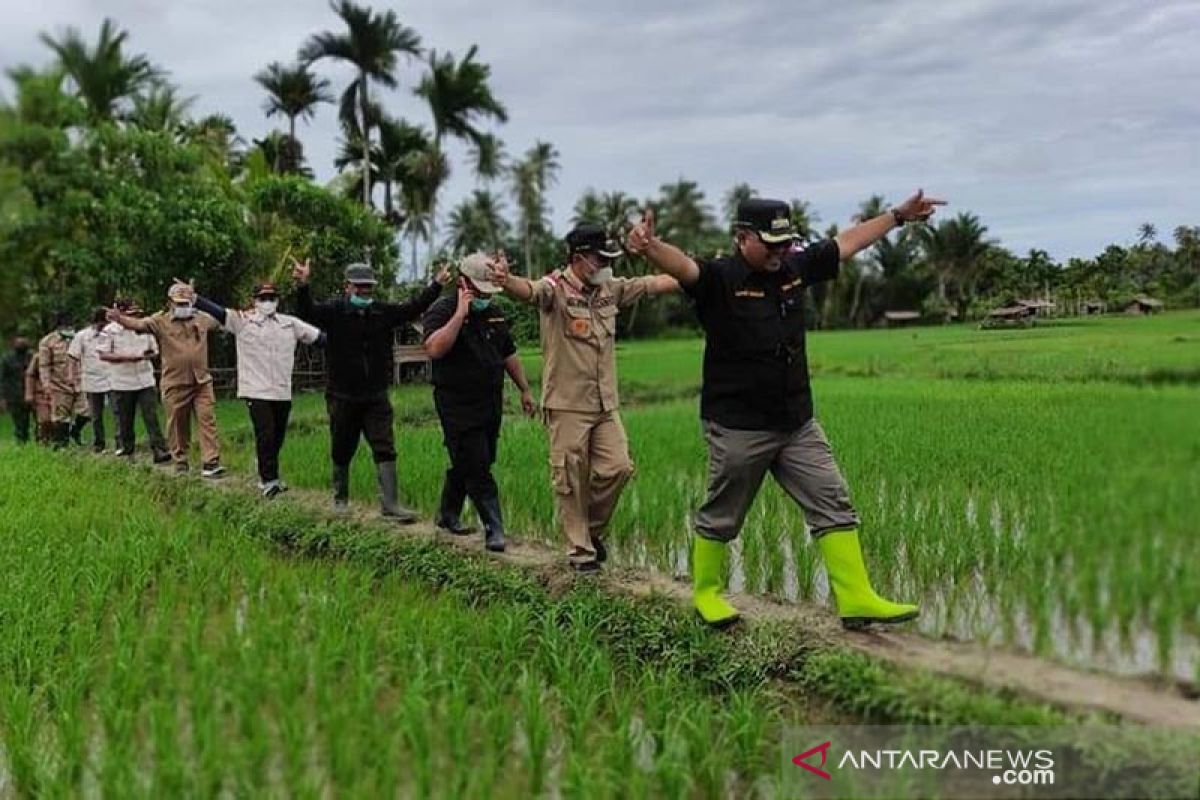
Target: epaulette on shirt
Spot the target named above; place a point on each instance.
(553, 278)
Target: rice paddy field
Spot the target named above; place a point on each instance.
(1034, 490)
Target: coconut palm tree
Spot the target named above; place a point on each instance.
(954, 249)
(372, 43)
(160, 108)
(531, 176)
(104, 77)
(684, 216)
(1147, 233)
(293, 92)
(477, 223)
(399, 144)
(588, 208)
(488, 158)
(459, 98)
(804, 219)
(737, 194)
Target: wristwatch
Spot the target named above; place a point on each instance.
(899, 220)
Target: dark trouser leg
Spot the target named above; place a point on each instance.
(345, 426)
(282, 409)
(472, 451)
(20, 416)
(147, 402)
(126, 405)
(454, 488)
(96, 409)
(377, 427)
(262, 418)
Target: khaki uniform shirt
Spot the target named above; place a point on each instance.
(266, 352)
(55, 370)
(183, 344)
(579, 335)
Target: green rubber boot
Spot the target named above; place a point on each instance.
(857, 603)
(708, 581)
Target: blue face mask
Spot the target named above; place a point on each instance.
(360, 302)
(480, 303)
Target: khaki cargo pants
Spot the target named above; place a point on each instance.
(180, 402)
(65, 406)
(801, 462)
(589, 466)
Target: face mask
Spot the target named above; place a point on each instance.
(182, 312)
(360, 302)
(600, 276)
(480, 303)
(266, 307)
(66, 333)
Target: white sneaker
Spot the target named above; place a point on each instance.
(271, 488)
(213, 470)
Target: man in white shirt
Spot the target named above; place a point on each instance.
(266, 356)
(129, 356)
(93, 374)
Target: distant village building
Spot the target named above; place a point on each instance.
(1144, 305)
(900, 319)
(1010, 317)
(1089, 307)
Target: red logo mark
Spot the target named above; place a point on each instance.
(800, 760)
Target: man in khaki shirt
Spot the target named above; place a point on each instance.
(186, 385)
(589, 453)
(59, 378)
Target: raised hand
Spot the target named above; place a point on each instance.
(642, 234)
(918, 208)
(301, 270)
(465, 296)
(184, 288)
(498, 269)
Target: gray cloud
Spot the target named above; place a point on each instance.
(1063, 125)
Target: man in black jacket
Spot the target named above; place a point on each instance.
(358, 358)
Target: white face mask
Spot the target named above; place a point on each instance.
(600, 276)
(266, 307)
(182, 312)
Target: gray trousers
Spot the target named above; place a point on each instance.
(801, 463)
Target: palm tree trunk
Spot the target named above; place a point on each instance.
(291, 143)
(366, 136)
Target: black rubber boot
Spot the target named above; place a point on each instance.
(389, 503)
(493, 523)
(60, 434)
(450, 510)
(77, 429)
(341, 489)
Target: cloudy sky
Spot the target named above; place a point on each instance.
(1062, 123)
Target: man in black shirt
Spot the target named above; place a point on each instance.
(468, 339)
(756, 403)
(358, 356)
(12, 382)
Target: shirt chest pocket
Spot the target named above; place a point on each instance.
(606, 319)
(579, 322)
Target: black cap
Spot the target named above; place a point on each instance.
(62, 317)
(588, 237)
(360, 274)
(770, 219)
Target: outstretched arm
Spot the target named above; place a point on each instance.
(917, 208)
(666, 258)
(401, 313)
(514, 286)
